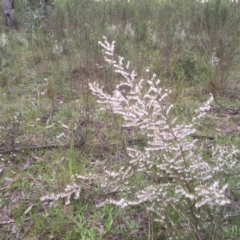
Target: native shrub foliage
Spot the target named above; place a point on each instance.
(169, 176)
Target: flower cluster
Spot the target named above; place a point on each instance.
(70, 189)
(172, 164)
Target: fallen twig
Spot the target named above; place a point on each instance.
(39, 147)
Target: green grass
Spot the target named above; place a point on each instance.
(62, 111)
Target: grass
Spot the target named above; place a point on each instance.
(50, 91)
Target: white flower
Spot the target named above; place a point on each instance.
(5, 40)
(129, 31)
(57, 50)
(214, 60)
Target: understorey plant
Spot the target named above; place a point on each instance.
(182, 191)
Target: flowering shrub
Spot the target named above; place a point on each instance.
(176, 184)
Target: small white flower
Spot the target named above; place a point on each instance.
(214, 60)
(5, 40)
(57, 49)
(129, 31)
